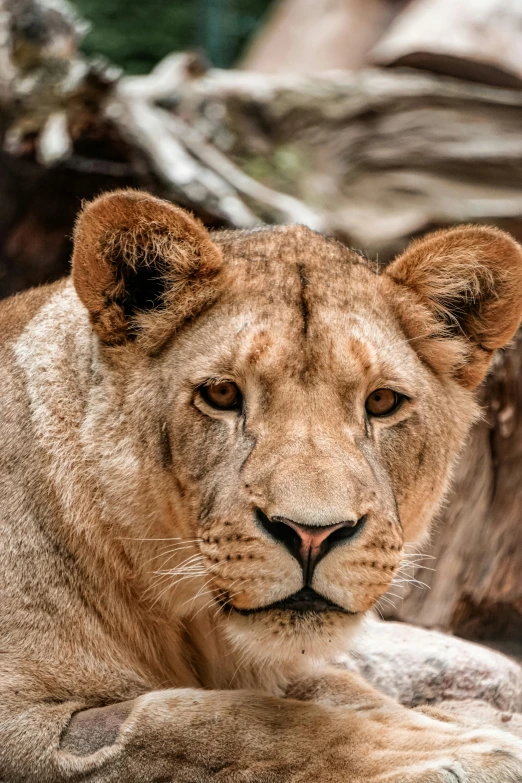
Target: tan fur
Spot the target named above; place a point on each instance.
(130, 548)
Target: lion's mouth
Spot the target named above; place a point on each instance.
(305, 601)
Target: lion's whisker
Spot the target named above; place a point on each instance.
(173, 538)
(168, 553)
(171, 585)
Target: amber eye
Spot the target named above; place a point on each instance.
(225, 395)
(382, 402)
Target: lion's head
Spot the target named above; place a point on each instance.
(286, 409)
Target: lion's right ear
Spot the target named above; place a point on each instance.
(141, 266)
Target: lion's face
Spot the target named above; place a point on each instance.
(316, 438)
(310, 408)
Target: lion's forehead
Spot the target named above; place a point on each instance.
(347, 343)
(284, 261)
(298, 310)
(248, 337)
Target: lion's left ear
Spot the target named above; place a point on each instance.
(460, 294)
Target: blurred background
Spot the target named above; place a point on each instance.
(137, 35)
(372, 120)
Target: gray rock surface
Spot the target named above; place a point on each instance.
(419, 667)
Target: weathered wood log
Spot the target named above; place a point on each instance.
(308, 36)
(72, 128)
(384, 155)
(373, 157)
(478, 40)
(56, 145)
(6, 67)
(196, 173)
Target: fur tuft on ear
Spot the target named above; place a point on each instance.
(460, 297)
(137, 258)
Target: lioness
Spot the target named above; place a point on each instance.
(214, 449)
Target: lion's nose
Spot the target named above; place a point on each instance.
(309, 543)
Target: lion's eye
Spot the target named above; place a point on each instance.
(382, 402)
(225, 395)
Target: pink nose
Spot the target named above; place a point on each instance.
(308, 543)
(312, 538)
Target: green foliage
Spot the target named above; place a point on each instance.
(280, 170)
(136, 34)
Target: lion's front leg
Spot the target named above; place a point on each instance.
(172, 736)
(196, 736)
(400, 745)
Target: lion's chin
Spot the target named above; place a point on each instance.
(283, 637)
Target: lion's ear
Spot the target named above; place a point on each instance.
(463, 288)
(141, 266)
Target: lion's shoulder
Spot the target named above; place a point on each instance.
(17, 311)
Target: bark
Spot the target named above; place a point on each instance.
(479, 40)
(70, 128)
(382, 155)
(307, 36)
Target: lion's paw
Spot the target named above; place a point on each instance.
(479, 756)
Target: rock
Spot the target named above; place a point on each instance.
(419, 667)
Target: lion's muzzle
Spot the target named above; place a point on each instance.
(309, 543)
